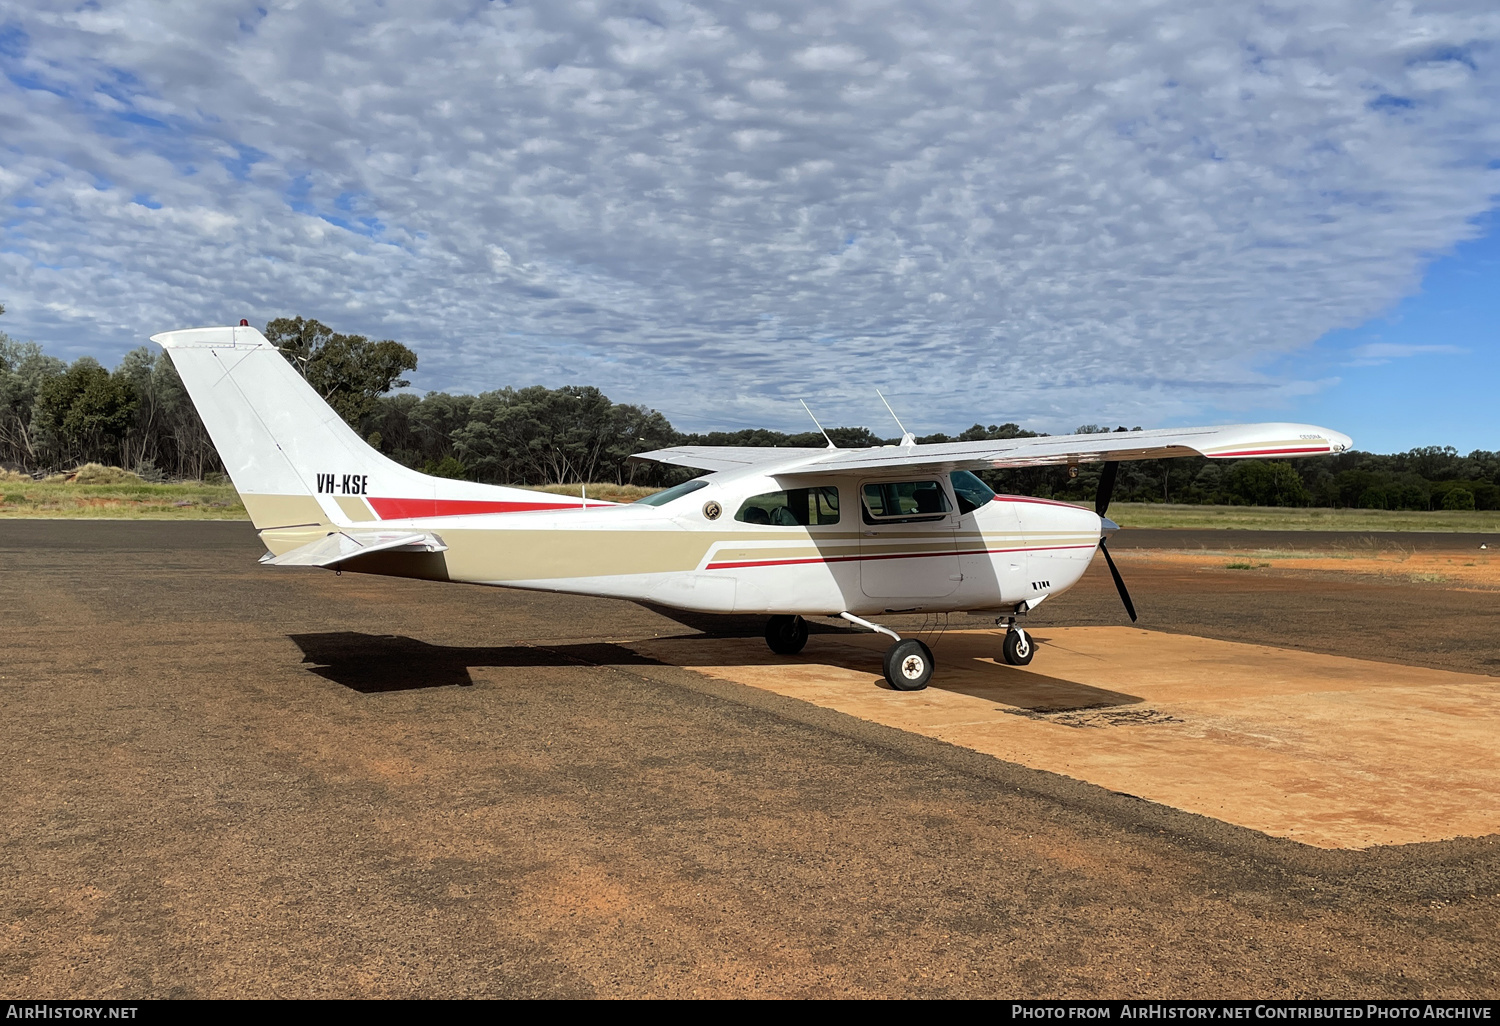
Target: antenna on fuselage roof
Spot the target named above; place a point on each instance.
(815, 421)
(907, 438)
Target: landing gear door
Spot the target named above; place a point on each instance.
(907, 549)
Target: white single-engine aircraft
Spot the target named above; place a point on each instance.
(788, 533)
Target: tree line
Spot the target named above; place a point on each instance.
(54, 416)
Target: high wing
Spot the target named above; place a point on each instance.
(727, 457)
(345, 546)
(1234, 441)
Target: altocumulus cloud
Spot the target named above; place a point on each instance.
(1047, 212)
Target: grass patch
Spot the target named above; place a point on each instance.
(1267, 518)
(137, 500)
(1245, 566)
(191, 500)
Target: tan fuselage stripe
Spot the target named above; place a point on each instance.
(268, 512)
(355, 508)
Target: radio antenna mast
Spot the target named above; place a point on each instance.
(815, 421)
(907, 438)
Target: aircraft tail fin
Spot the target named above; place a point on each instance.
(295, 462)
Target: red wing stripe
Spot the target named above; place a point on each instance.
(898, 555)
(416, 509)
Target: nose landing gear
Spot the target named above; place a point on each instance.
(1018, 647)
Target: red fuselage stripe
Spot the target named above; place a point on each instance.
(416, 509)
(898, 555)
(1038, 502)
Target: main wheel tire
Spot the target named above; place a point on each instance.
(786, 634)
(1018, 647)
(908, 665)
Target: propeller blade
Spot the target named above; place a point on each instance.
(1106, 487)
(1119, 581)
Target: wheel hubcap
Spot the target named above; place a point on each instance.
(912, 667)
(1023, 646)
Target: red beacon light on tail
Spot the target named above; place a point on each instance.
(244, 323)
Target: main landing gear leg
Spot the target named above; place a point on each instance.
(908, 662)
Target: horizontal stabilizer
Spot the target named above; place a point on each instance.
(343, 546)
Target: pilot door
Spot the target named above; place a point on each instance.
(907, 547)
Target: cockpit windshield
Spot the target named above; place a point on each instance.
(972, 493)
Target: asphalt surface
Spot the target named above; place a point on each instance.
(221, 779)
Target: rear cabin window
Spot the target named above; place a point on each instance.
(904, 501)
(972, 493)
(795, 507)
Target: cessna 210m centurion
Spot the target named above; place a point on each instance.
(788, 533)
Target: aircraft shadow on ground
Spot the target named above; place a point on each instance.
(1038, 693)
(960, 673)
(373, 663)
(991, 681)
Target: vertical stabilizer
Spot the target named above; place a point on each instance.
(295, 462)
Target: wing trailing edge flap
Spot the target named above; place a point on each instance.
(344, 546)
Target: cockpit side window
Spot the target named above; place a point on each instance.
(903, 502)
(972, 493)
(794, 507)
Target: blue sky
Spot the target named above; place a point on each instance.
(1141, 213)
(1427, 372)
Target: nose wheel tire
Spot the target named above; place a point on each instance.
(1018, 647)
(786, 634)
(908, 665)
